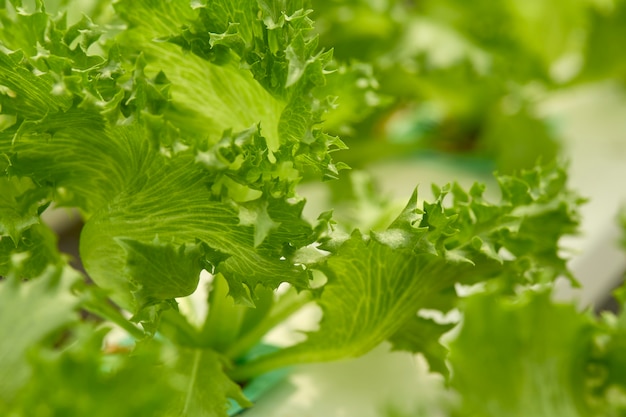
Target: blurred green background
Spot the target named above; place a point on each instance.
(464, 78)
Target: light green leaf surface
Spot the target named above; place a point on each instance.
(30, 312)
(162, 272)
(420, 335)
(206, 386)
(180, 130)
(602, 59)
(206, 98)
(522, 357)
(89, 382)
(207, 151)
(36, 250)
(612, 347)
(377, 283)
(20, 205)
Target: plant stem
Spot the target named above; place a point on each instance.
(103, 309)
(217, 332)
(192, 380)
(267, 363)
(284, 307)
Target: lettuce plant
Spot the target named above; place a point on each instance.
(180, 130)
(464, 78)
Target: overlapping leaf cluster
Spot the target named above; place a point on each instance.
(466, 78)
(177, 161)
(180, 129)
(112, 131)
(527, 354)
(377, 283)
(523, 353)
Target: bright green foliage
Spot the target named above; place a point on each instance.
(523, 357)
(20, 206)
(180, 139)
(206, 384)
(81, 381)
(30, 312)
(604, 60)
(88, 382)
(420, 335)
(508, 30)
(612, 360)
(378, 283)
(464, 77)
(180, 129)
(112, 133)
(36, 250)
(528, 355)
(163, 272)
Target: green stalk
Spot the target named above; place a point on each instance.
(283, 308)
(224, 319)
(192, 380)
(106, 311)
(267, 363)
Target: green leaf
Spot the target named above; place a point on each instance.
(90, 381)
(528, 139)
(74, 153)
(239, 97)
(503, 29)
(21, 202)
(145, 148)
(420, 335)
(522, 357)
(611, 346)
(24, 93)
(36, 250)
(601, 58)
(206, 386)
(357, 316)
(255, 214)
(190, 214)
(161, 271)
(377, 283)
(29, 313)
